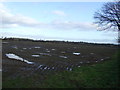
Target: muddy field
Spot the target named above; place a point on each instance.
(23, 58)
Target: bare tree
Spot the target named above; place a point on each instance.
(108, 16)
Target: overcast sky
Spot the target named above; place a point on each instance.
(71, 21)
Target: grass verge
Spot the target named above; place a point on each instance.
(101, 75)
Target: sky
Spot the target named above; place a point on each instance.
(68, 21)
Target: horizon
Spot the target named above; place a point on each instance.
(8, 38)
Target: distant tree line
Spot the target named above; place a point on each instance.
(51, 41)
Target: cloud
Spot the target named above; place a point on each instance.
(10, 20)
(18, 20)
(59, 13)
(68, 25)
(14, 20)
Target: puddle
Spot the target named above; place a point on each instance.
(13, 56)
(35, 55)
(39, 67)
(45, 54)
(5, 42)
(91, 53)
(48, 68)
(78, 66)
(81, 62)
(67, 68)
(53, 68)
(63, 56)
(53, 49)
(24, 48)
(45, 68)
(21, 50)
(37, 47)
(62, 52)
(70, 69)
(76, 53)
(88, 62)
(15, 47)
(102, 59)
(47, 51)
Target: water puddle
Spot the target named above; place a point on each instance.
(62, 52)
(15, 47)
(47, 51)
(45, 68)
(21, 50)
(67, 68)
(53, 49)
(37, 47)
(63, 56)
(47, 54)
(13, 56)
(48, 68)
(38, 67)
(102, 59)
(24, 48)
(5, 42)
(70, 69)
(35, 55)
(88, 62)
(81, 62)
(91, 53)
(53, 67)
(75, 53)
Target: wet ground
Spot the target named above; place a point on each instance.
(27, 57)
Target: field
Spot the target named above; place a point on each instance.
(58, 65)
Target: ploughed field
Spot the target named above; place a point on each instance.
(25, 58)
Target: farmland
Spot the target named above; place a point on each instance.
(29, 64)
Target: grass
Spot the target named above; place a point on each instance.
(101, 75)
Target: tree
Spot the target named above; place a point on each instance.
(108, 16)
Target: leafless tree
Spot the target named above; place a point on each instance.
(108, 16)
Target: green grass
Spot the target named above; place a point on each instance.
(102, 75)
